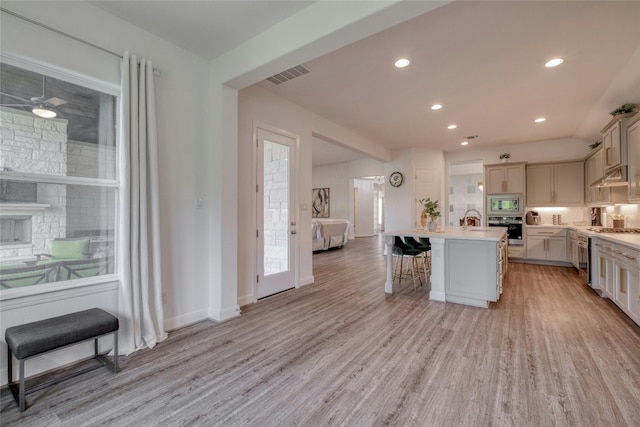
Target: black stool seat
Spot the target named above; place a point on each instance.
(417, 244)
(44, 335)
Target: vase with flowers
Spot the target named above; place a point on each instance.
(430, 210)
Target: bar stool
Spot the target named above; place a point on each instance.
(402, 250)
(425, 247)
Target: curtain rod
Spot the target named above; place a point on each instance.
(62, 33)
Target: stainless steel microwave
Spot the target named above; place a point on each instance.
(505, 204)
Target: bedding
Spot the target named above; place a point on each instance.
(329, 233)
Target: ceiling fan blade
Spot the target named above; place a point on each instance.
(13, 96)
(54, 102)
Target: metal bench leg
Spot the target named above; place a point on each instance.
(115, 352)
(9, 366)
(21, 391)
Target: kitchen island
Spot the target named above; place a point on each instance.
(467, 266)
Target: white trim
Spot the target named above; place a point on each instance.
(225, 314)
(246, 300)
(60, 73)
(40, 294)
(58, 179)
(306, 281)
(183, 320)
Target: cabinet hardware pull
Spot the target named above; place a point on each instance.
(545, 232)
(628, 256)
(606, 155)
(615, 251)
(623, 284)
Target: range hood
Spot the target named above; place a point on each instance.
(615, 177)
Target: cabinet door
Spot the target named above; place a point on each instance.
(536, 247)
(514, 176)
(633, 144)
(621, 292)
(495, 180)
(539, 185)
(612, 148)
(556, 249)
(634, 294)
(569, 184)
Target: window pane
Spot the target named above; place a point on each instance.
(52, 232)
(78, 141)
(67, 234)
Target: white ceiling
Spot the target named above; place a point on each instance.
(482, 60)
(206, 28)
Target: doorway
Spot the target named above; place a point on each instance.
(466, 189)
(276, 203)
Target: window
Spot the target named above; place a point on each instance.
(58, 179)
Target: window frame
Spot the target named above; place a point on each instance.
(89, 284)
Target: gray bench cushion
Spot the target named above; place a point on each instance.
(44, 335)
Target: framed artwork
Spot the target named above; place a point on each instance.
(320, 203)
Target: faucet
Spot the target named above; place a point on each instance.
(464, 221)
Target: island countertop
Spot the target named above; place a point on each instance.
(471, 233)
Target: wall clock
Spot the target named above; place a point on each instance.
(396, 179)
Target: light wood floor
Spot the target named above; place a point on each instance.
(341, 352)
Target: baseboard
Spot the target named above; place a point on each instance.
(306, 281)
(225, 314)
(184, 320)
(545, 262)
(246, 300)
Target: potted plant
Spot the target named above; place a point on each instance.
(429, 210)
(504, 157)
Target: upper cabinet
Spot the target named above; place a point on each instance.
(633, 142)
(505, 178)
(612, 143)
(555, 184)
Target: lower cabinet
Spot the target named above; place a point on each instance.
(618, 276)
(546, 243)
(627, 280)
(475, 271)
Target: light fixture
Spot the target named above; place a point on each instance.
(540, 120)
(402, 62)
(464, 143)
(480, 185)
(452, 126)
(43, 112)
(436, 106)
(554, 62)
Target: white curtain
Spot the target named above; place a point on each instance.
(140, 305)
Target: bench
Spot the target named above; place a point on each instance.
(33, 339)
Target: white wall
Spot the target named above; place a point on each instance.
(182, 113)
(336, 178)
(256, 104)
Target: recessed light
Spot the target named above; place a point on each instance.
(436, 106)
(540, 120)
(464, 143)
(554, 62)
(402, 62)
(452, 126)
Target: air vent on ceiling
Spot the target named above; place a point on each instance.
(290, 74)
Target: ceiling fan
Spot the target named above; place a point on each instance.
(39, 105)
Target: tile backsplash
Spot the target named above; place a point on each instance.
(571, 216)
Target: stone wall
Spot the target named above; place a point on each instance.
(276, 208)
(35, 145)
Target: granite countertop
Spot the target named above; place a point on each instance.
(471, 233)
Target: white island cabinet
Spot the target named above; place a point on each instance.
(467, 266)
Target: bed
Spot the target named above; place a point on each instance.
(329, 233)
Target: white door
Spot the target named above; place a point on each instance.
(276, 213)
